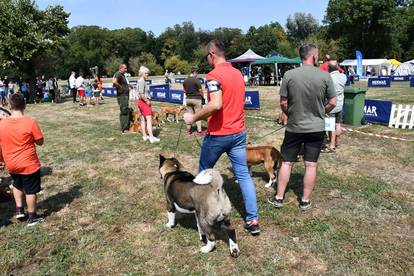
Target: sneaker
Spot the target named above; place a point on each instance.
(20, 215)
(253, 227)
(35, 220)
(145, 138)
(304, 206)
(154, 140)
(276, 202)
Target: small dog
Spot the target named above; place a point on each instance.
(156, 120)
(134, 126)
(202, 195)
(269, 156)
(171, 110)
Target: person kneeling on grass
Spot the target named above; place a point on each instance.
(18, 136)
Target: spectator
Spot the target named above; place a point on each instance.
(324, 65)
(24, 90)
(80, 86)
(18, 136)
(51, 88)
(2, 93)
(121, 84)
(88, 91)
(96, 93)
(194, 95)
(144, 105)
(6, 86)
(72, 86)
(303, 93)
(339, 81)
(226, 126)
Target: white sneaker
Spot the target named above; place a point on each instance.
(145, 138)
(154, 140)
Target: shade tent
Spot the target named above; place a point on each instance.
(277, 59)
(394, 62)
(382, 65)
(366, 62)
(248, 56)
(405, 69)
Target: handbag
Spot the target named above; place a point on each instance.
(330, 124)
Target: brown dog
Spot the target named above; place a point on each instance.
(171, 110)
(134, 126)
(156, 120)
(267, 155)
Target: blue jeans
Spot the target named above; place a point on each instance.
(235, 147)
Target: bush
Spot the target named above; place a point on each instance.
(176, 64)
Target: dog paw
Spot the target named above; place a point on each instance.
(269, 184)
(169, 225)
(234, 251)
(208, 247)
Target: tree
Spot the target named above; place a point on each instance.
(364, 25)
(177, 64)
(112, 65)
(300, 27)
(265, 38)
(147, 60)
(26, 32)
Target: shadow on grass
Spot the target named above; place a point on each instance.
(52, 204)
(234, 193)
(57, 202)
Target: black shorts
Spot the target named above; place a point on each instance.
(338, 117)
(29, 183)
(293, 142)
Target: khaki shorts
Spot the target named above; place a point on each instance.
(193, 105)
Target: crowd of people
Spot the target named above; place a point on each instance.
(87, 89)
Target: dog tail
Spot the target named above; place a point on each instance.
(209, 176)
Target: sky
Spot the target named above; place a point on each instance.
(157, 15)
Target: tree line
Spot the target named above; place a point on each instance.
(36, 42)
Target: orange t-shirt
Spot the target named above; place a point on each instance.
(17, 141)
(230, 118)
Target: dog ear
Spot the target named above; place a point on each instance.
(162, 160)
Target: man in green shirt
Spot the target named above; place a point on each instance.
(120, 83)
(303, 95)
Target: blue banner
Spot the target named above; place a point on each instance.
(108, 92)
(133, 82)
(377, 111)
(400, 78)
(379, 82)
(412, 82)
(176, 96)
(359, 63)
(252, 100)
(179, 80)
(356, 78)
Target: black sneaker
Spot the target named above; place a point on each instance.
(34, 220)
(20, 215)
(304, 206)
(278, 203)
(253, 227)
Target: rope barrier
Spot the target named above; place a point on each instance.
(377, 135)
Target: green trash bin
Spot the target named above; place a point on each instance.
(354, 100)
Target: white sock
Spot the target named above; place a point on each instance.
(278, 197)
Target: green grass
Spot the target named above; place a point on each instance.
(106, 209)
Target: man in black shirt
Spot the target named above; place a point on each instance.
(120, 83)
(194, 95)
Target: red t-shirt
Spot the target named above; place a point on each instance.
(324, 67)
(230, 118)
(17, 141)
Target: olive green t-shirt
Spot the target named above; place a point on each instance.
(120, 77)
(307, 88)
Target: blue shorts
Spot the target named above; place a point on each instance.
(88, 93)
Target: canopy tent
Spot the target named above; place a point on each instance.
(405, 69)
(278, 59)
(383, 65)
(394, 62)
(248, 56)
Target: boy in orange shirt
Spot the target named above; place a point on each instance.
(18, 136)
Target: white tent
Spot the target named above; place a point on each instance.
(248, 56)
(405, 69)
(382, 65)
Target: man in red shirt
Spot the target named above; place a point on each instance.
(325, 65)
(226, 131)
(18, 136)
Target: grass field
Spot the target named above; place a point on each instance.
(105, 210)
